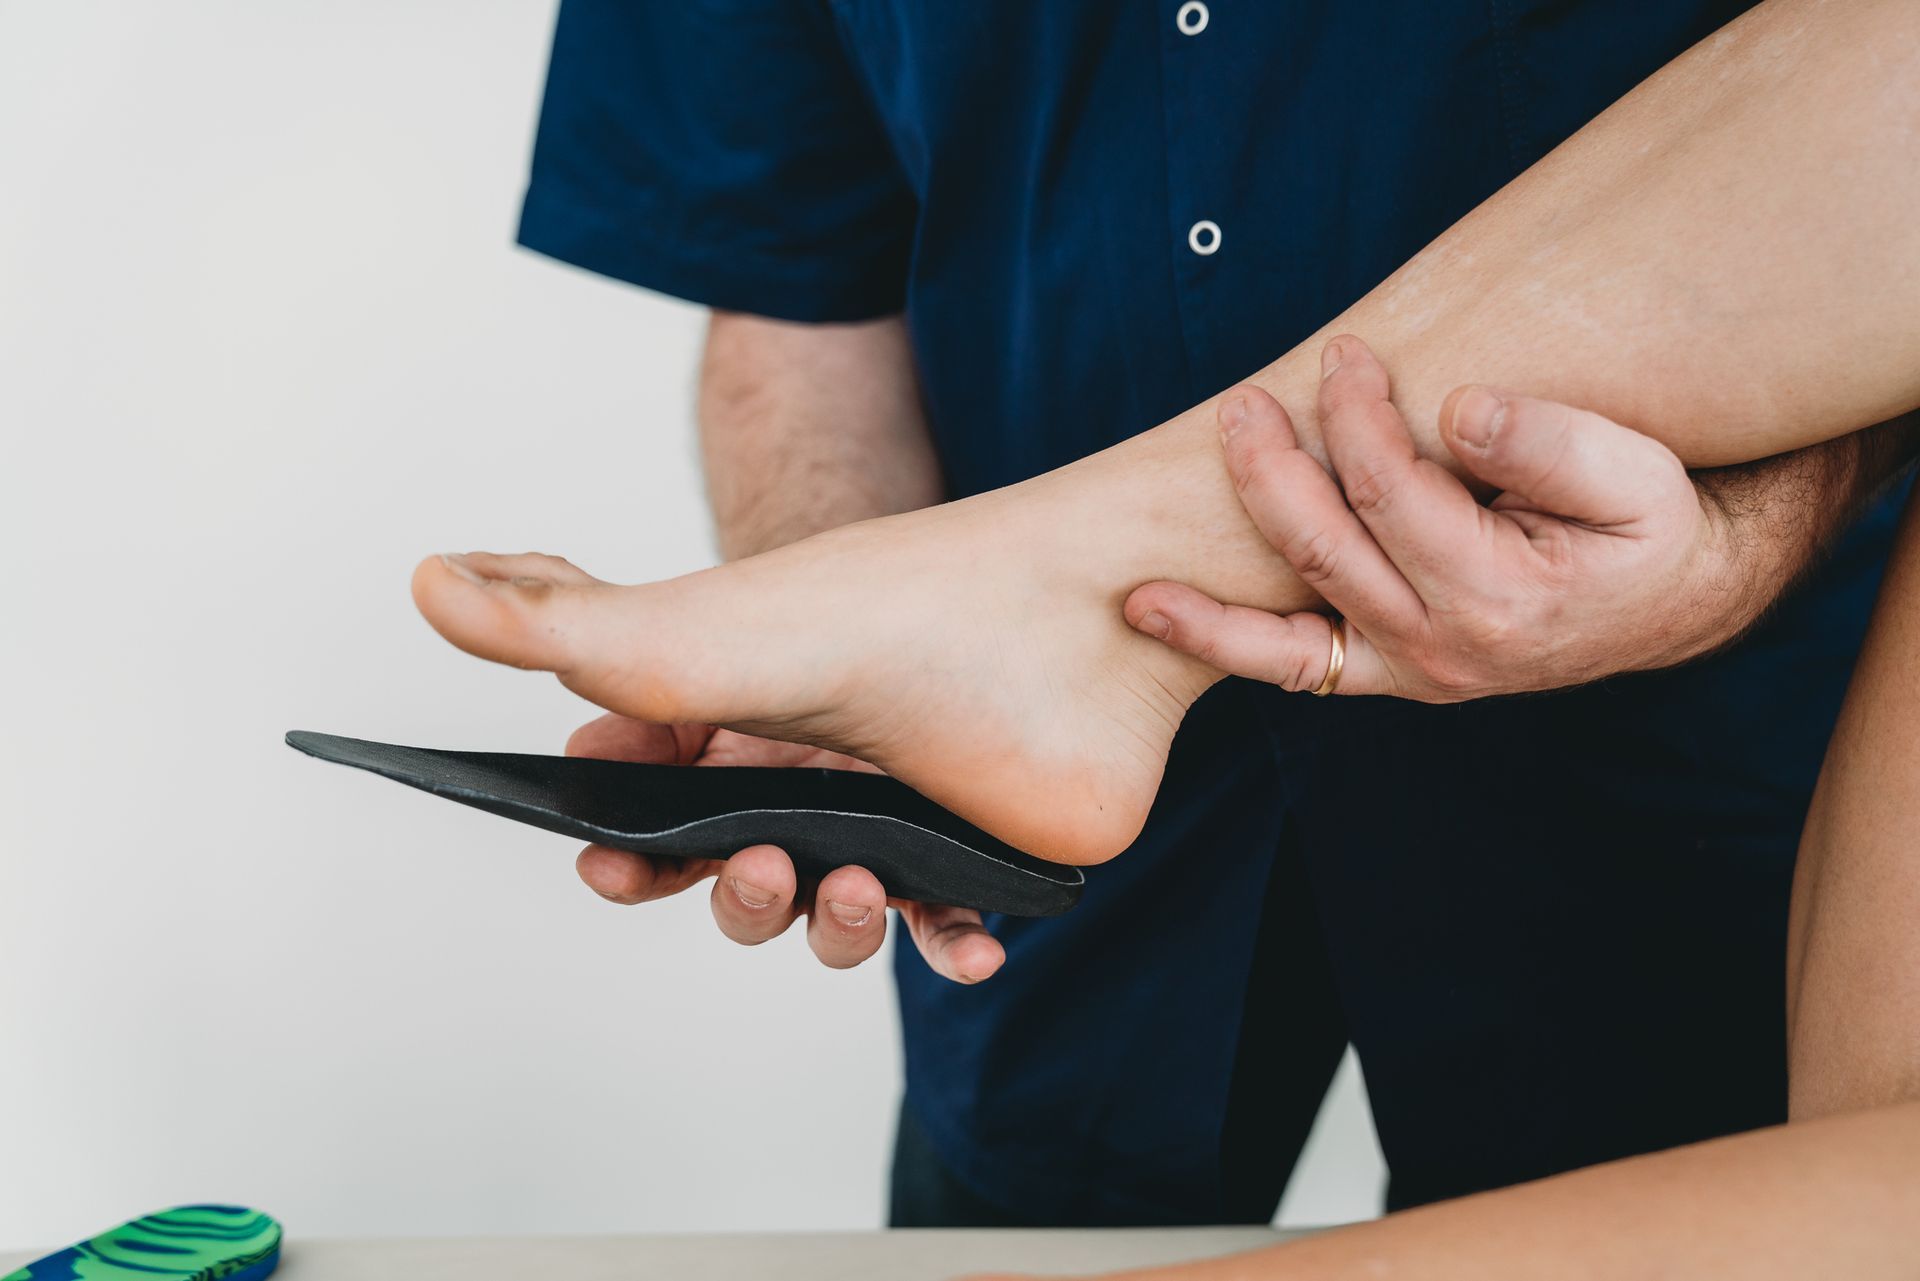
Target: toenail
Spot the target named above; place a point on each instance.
(752, 895)
(849, 914)
(1156, 624)
(460, 565)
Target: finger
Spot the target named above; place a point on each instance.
(849, 918)
(614, 737)
(1423, 518)
(621, 876)
(754, 895)
(954, 941)
(1564, 461)
(1252, 409)
(1299, 509)
(1292, 651)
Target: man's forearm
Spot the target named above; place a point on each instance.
(1779, 516)
(804, 428)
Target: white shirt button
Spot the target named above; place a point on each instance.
(1192, 18)
(1204, 237)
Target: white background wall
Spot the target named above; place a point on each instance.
(263, 342)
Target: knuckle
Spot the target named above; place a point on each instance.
(1557, 556)
(1249, 471)
(1315, 557)
(1553, 454)
(1299, 671)
(1239, 466)
(1373, 491)
(1450, 666)
(1454, 682)
(1668, 471)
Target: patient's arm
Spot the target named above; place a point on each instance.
(1838, 1197)
(1853, 971)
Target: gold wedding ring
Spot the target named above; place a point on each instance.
(1336, 661)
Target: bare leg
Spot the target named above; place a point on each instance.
(1754, 202)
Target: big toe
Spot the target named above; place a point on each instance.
(608, 643)
(521, 610)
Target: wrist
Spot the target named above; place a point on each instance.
(1745, 557)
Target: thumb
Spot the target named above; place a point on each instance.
(1567, 462)
(953, 940)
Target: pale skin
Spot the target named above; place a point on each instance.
(1599, 555)
(1012, 690)
(802, 428)
(1833, 1193)
(978, 651)
(1615, 530)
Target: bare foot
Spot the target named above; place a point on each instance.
(978, 651)
(956, 648)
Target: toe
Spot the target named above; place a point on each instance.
(626, 648)
(511, 609)
(525, 567)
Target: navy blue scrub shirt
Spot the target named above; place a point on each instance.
(1552, 927)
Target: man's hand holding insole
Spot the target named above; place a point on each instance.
(756, 894)
(1598, 556)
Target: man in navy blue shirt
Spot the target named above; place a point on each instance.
(952, 246)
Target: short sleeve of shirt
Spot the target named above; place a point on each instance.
(723, 151)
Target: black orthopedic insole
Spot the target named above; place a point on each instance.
(823, 818)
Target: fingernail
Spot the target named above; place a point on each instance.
(752, 895)
(1156, 624)
(1233, 416)
(1329, 360)
(849, 914)
(458, 564)
(1477, 415)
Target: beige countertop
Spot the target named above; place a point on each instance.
(820, 1256)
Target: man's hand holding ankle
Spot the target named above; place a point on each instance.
(1599, 555)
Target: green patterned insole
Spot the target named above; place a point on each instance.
(191, 1243)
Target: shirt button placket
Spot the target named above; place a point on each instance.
(1190, 20)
